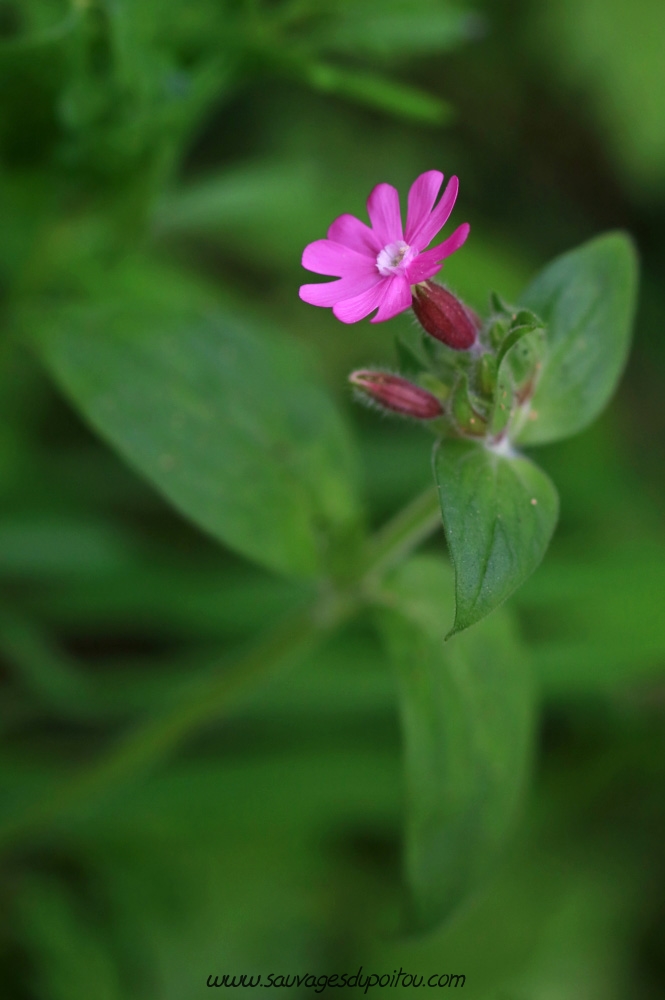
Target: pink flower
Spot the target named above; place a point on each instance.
(377, 266)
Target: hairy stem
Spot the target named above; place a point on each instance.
(211, 694)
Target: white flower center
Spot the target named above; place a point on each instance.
(394, 256)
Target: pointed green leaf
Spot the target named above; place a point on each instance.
(226, 422)
(467, 720)
(586, 299)
(499, 512)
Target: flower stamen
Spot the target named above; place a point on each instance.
(393, 257)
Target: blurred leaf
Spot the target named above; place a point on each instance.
(173, 599)
(180, 911)
(49, 675)
(246, 192)
(558, 920)
(225, 421)
(144, 75)
(26, 202)
(586, 299)
(153, 916)
(398, 28)
(50, 545)
(24, 26)
(266, 203)
(378, 92)
(595, 622)
(300, 789)
(488, 261)
(71, 957)
(36, 62)
(467, 718)
(499, 512)
(609, 57)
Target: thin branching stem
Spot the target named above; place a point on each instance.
(211, 694)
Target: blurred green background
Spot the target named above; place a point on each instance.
(219, 138)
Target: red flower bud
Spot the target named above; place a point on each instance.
(398, 394)
(443, 316)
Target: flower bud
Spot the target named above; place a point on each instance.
(398, 394)
(443, 316)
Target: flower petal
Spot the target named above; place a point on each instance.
(384, 212)
(356, 308)
(329, 293)
(422, 196)
(328, 257)
(428, 263)
(396, 298)
(353, 233)
(438, 218)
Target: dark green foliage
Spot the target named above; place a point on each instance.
(202, 769)
(225, 420)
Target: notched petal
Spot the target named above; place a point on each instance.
(384, 212)
(422, 196)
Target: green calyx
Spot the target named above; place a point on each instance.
(485, 390)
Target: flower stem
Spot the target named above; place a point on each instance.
(404, 533)
(211, 694)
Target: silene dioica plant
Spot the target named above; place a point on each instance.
(526, 374)
(229, 423)
(159, 365)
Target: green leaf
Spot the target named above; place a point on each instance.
(499, 511)
(467, 721)
(377, 91)
(398, 28)
(70, 953)
(241, 197)
(36, 63)
(586, 299)
(614, 55)
(226, 422)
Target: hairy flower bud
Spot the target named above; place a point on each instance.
(397, 393)
(443, 316)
